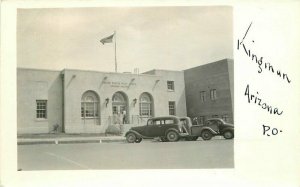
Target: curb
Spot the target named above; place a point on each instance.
(55, 141)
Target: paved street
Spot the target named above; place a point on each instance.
(121, 155)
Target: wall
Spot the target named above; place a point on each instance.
(178, 95)
(217, 75)
(76, 82)
(35, 85)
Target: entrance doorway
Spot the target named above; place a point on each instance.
(120, 108)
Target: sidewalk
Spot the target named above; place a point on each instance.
(61, 138)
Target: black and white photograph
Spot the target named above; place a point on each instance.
(125, 88)
(145, 93)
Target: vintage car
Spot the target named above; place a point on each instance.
(212, 127)
(167, 128)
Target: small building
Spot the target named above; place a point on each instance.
(209, 91)
(78, 101)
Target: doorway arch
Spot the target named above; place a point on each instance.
(120, 108)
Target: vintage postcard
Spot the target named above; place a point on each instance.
(120, 94)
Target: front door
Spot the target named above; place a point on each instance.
(155, 129)
(120, 108)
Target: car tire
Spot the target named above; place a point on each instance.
(130, 137)
(138, 140)
(206, 135)
(172, 136)
(228, 135)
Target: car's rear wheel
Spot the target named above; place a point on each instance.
(206, 135)
(172, 136)
(228, 134)
(138, 140)
(130, 137)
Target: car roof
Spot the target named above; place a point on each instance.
(214, 119)
(165, 117)
(185, 117)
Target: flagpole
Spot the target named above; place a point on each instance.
(116, 66)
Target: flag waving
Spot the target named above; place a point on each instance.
(107, 39)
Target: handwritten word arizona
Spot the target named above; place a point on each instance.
(259, 60)
(256, 100)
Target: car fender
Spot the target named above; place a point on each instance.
(133, 131)
(210, 129)
(228, 129)
(138, 135)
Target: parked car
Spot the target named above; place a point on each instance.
(167, 128)
(212, 127)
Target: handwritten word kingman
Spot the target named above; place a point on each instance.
(259, 60)
(256, 100)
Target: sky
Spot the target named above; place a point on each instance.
(170, 38)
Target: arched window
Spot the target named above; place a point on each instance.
(146, 105)
(89, 105)
(118, 98)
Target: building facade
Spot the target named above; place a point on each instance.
(77, 101)
(209, 91)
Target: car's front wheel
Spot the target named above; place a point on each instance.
(172, 136)
(228, 134)
(206, 135)
(130, 137)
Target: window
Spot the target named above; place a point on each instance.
(145, 105)
(169, 121)
(89, 105)
(225, 117)
(201, 119)
(41, 109)
(172, 110)
(203, 96)
(150, 122)
(213, 94)
(170, 85)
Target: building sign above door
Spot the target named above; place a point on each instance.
(119, 84)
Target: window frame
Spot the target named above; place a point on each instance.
(41, 113)
(201, 119)
(225, 117)
(93, 105)
(202, 96)
(145, 107)
(172, 86)
(213, 94)
(172, 103)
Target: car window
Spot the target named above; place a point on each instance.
(150, 122)
(169, 121)
(157, 122)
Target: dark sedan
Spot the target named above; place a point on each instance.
(167, 128)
